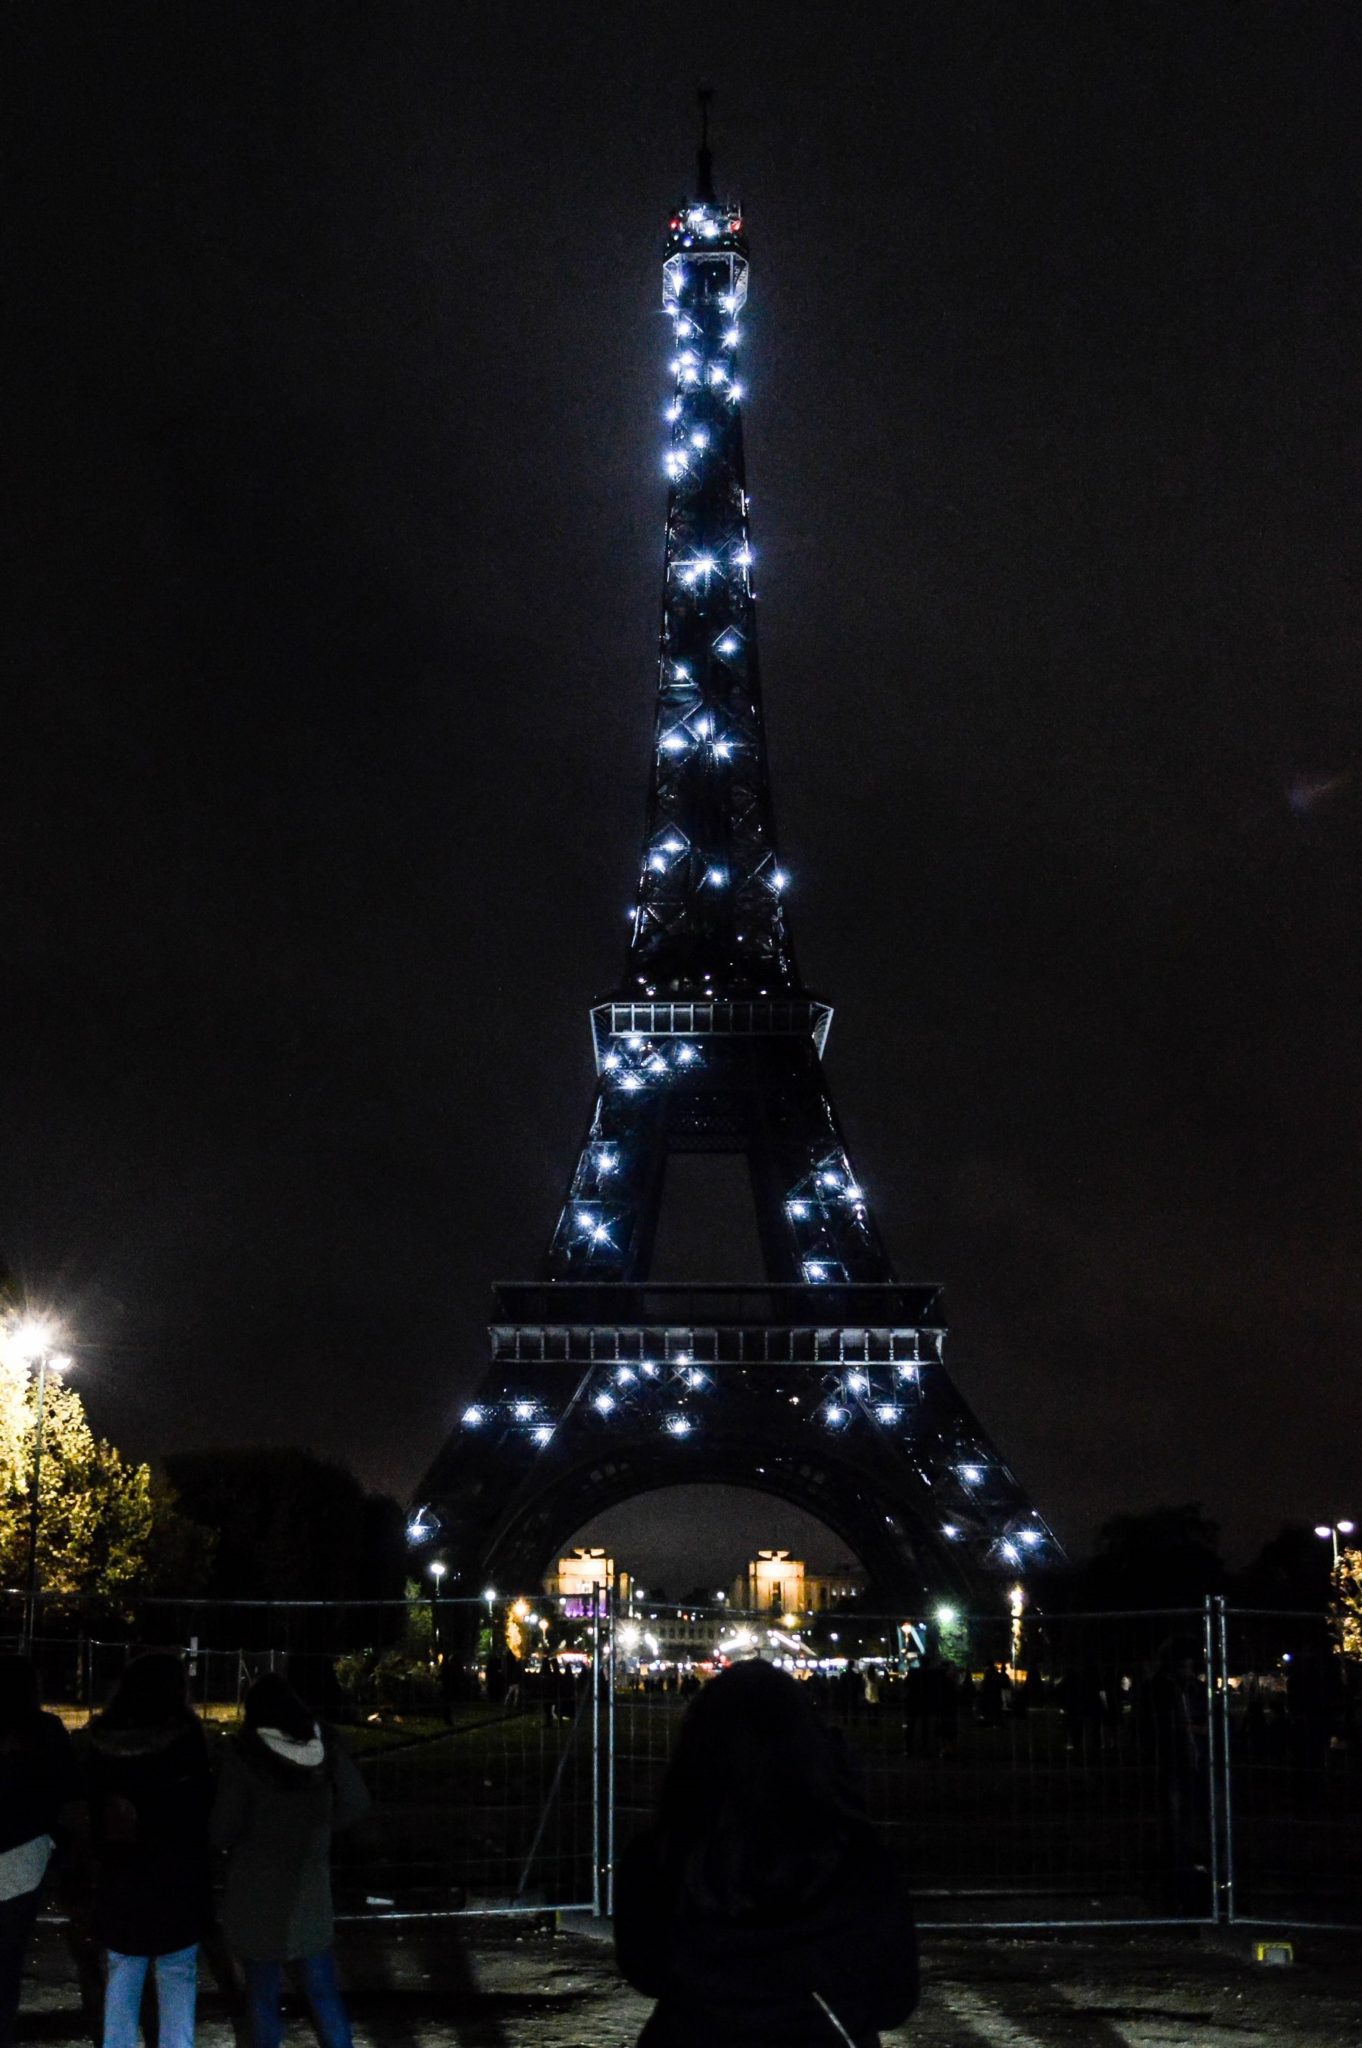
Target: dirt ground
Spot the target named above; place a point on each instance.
(517, 1985)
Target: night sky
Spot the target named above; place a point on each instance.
(333, 385)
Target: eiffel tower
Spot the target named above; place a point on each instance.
(821, 1382)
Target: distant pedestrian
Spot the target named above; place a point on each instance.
(37, 1785)
(762, 1906)
(287, 1784)
(149, 1791)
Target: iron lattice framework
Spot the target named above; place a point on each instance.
(825, 1384)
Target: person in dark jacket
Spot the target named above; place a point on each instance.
(149, 1790)
(287, 1783)
(762, 1906)
(37, 1783)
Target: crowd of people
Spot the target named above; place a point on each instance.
(761, 1906)
(140, 1816)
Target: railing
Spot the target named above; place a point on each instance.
(1197, 1765)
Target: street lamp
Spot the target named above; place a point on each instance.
(31, 1341)
(1329, 1532)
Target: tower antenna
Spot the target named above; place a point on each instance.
(704, 183)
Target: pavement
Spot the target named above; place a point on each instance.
(522, 1984)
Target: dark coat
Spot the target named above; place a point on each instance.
(37, 1779)
(275, 1819)
(149, 1791)
(721, 1981)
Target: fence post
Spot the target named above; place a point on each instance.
(1212, 1762)
(1226, 1776)
(596, 1844)
(612, 1625)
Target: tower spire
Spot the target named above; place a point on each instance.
(704, 177)
(708, 912)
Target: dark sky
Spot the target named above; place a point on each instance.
(332, 388)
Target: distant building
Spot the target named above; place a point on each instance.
(776, 1583)
(578, 1576)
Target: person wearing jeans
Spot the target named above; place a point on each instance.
(149, 1791)
(287, 1783)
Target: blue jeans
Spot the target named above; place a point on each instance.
(177, 1980)
(317, 1976)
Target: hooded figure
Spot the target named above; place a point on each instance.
(149, 1789)
(762, 1906)
(287, 1783)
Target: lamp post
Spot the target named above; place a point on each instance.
(1329, 1532)
(32, 1341)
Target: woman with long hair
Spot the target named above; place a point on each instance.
(761, 1906)
(37, 1781)
(149, 1791)
(287, 1783)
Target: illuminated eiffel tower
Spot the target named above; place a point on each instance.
(821, 1381)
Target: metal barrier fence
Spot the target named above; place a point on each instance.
(1116, 1769)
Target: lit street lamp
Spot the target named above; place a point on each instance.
(1329, 1532)
(31, 1341)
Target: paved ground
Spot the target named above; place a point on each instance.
(511, 1985)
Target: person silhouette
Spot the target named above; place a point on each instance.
(761, 1905)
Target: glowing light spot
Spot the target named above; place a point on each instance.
(857, 1382)
(780, 880)
(672, 846)
(610, 1062)
(685, 1054)
(658, 865)
(544, 1434)
(799, 1209)
(1030, 1536)
(631, 1084)
(728, 645)
(716, 877)
(605, 1402)
(835, 1416)
(674, 409)
(949, 1531)
(732, 338)
(673, 743)
(723, 749)
(607, 1162)
(887, 1412)
(679, 1425)
(813, 1271)
(700, 438)
(472, 1417)
(971, 1474)
(626, 1375)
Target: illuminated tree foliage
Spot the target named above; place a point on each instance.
(97, 1513)
(1347, 1602)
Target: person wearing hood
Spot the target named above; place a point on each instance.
(37, 1785)
(149, 1791)
(762, 1906)
(287, 1783)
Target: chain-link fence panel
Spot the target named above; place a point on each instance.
(1293, 1770)
(1030, 1770)
(477, 1725)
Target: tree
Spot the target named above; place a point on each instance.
(96, 1513)
(1291, 1571)
(291, 1526)
(1167, 1557)
(1346, 1606)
